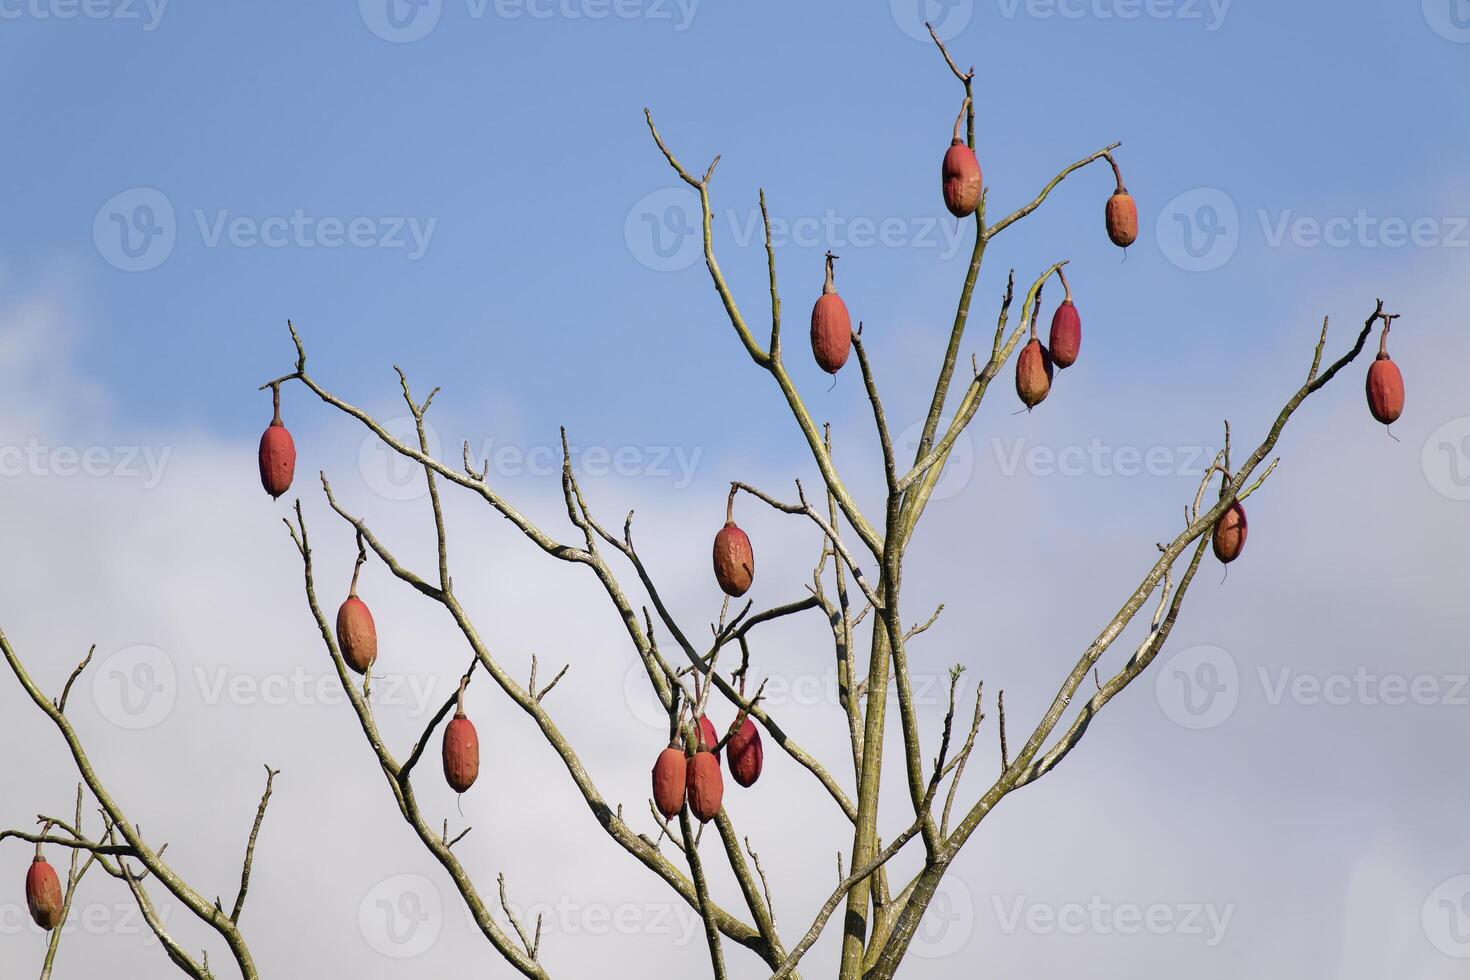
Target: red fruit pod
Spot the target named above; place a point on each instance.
(746, 755)
(1385, 385)
(1122, 219)
(461, 748)
(1385, 390)
(1228, 539)
(43, 893)
(1066, 331)
(960, 173)
(1033, 372)
(357, 635)
(277, 452)
(831, 326)
(705, 786)
(734, 559)
(707, 737)
(670, 773)
(1121, 213)
(1066, 335)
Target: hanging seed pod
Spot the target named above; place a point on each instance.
(277, 452)
(746, 755)
(1033, 373)
(1121, 212)
(705, 786)
(1066, 330)
(670, 774)
(43, 892)
(1385, 383)
(707, 737)
(461, 747)
(960, 173)
(734, 559)
(357, 635)
(831, 326)
(1033, 366)
(1229, 537)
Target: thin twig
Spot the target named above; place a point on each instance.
(270, 778)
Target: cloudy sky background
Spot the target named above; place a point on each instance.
(1302, 826)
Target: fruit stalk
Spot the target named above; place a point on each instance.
(357, 567)
(1117, 175)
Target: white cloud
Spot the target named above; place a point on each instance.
(1275, 815)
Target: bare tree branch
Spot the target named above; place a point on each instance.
(270, 779)
(766, 360)
(152, 860)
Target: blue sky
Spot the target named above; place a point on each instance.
(1289, 159)
(517, 142)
